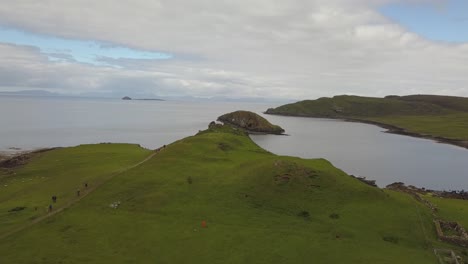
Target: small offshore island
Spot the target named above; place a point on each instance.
(127, 98)
(207, 192)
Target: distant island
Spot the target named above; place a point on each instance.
(142, 99)
(442, 118)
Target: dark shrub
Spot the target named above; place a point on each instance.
(391, 239)
(304, 214)
(334, 216)
(16, 209)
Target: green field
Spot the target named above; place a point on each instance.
(61, 173)
(427, 115)
(258, 208)
(451, 126)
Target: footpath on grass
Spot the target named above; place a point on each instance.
(82, 195)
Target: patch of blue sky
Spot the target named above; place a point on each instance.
(447, 21)
(60, 49)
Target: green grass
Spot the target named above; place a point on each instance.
(430, 115)
(253, 202)
(453, 126)
(251, 122)
(60, 172)
(451, 209)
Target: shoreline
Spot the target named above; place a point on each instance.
(401, 131)
(392, 129)
(21, 158)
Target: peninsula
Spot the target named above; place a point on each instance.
(215, 197)
(441, 118)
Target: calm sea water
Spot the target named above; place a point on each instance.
(37, 122)
(365, 150)
(358, 149)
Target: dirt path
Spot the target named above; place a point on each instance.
(83, 194)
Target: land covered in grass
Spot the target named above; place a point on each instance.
(211, 198)
(250, 122)
(443, 118)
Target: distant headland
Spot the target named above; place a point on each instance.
(440, 118)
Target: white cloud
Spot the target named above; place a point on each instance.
(293, 49)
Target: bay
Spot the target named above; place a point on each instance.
(361, 149)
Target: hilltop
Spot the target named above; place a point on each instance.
(444, 118)
(215, 197)
(250, 122)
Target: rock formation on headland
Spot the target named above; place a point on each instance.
(126, 98)
(251, 122)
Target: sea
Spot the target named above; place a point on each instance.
(28, 123)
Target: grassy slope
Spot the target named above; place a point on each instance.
(440, 116)
(453, 126)
(251, 217)
(251, 122)
(60, 172)
(451, 209)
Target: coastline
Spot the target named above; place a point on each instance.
(8, 161)
(391, 129)
(12, 160)
(401, 131)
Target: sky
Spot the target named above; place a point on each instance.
(291, 50)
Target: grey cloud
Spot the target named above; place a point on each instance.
(291, 49)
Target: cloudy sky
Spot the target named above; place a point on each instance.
(292, 49)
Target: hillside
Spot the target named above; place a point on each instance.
(438, 117)
(250, 122)
(211, 198)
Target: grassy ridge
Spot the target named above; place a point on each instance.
(60, 172)
(434, 116)
(259, 208)
(449, 102)
(453, 126)
(250, 122)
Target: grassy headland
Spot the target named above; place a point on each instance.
(211, 198)
(59, 172)
(444, 118)
(250, 122)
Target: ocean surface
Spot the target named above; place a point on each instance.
(28, 123)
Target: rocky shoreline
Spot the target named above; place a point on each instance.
(18, 159)
(401, 131)
(399, 186)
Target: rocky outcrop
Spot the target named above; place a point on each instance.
(250, 122)
(126, 98)
(451, 232)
